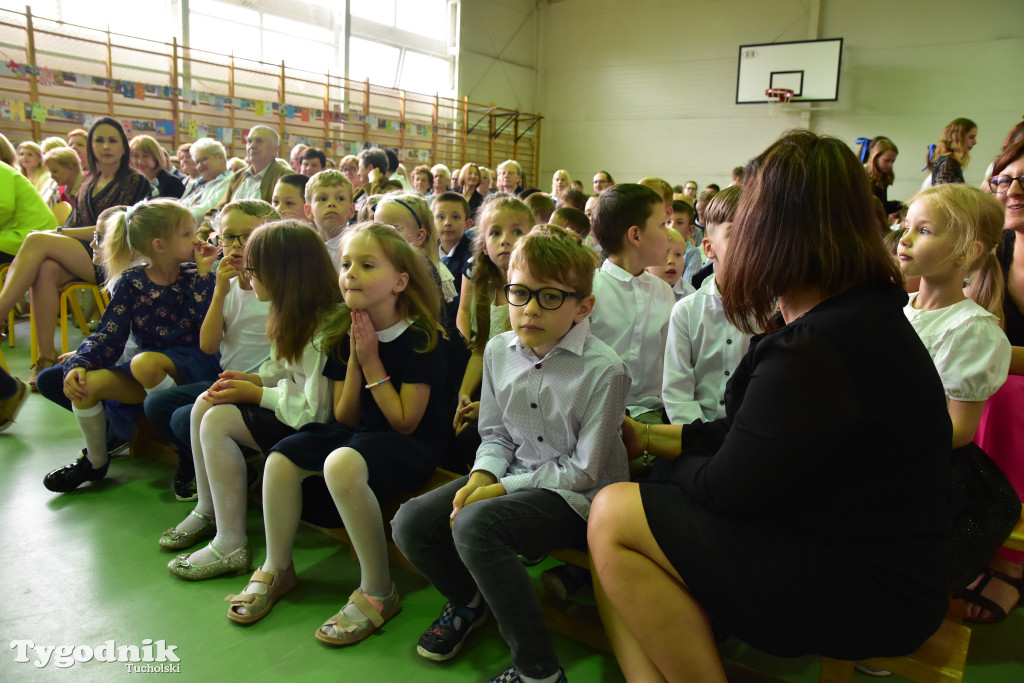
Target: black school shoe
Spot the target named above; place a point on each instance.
(70, 477)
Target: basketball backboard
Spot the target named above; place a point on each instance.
(810, 68)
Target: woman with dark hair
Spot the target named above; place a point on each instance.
(1000, 587)
(882, 155)
(807, 520)
(48, 260)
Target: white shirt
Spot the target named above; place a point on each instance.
(553, 423)
(631, 316)
(250, 187)
(245, 342)
(201, 196)
(334, 250)
(298, 393)
(970, 350)
(702, 352)
(682, 288)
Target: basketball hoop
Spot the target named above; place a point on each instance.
(779, 95)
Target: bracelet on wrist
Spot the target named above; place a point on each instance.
(371, 385)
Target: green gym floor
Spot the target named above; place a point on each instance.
(83, 568)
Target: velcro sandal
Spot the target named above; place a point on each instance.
(257, 605)
(349, 632)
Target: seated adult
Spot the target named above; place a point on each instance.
(442, 179)
(186, 167)
(210, 161)
(510, 177)
(813, 518)
(373, 176)
(30, 163)
(78, 141)
(312, 161)
(22, 210)
(148, 157)
(296, 157)
(349, 165)
(258, 178)
(47, 261)
(66, 170)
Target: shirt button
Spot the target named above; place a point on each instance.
(537, 366)
(726, 373)
(533, 405)
(721, 403)
(728, 341)
(540, 438)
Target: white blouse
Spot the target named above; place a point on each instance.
(969, 348)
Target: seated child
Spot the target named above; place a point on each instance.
(542, 206)
(235, 325)
(329, 206)
(572, 218)
(633, 306)
(175, 287)
(672, 269)
(454, 227)
(683, 216)
(550, 412)
(704, 348)
(289, 199)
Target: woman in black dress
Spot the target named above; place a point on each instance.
(813, 518)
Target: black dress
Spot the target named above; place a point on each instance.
(397, 463)
(1013, 316)
(813, 519)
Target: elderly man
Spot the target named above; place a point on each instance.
(442, 179)
(211, 183)
(257, 180)
(296, 156)
(510, 177)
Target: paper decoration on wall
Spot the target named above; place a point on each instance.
(128, 90)
(193, 129)
(227, 136)
(128, 128)
(202, 130)
(305, 114)
(140, 91)
(38, 113)
(45, 77)
(165, 127)
(259, 109)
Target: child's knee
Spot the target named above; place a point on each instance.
(277, 466)
(344, 467)
(147, 368)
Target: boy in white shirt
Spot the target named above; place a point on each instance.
(633, 306)
(235, 324)
(550, 414)
(703, 347)
(329, 205)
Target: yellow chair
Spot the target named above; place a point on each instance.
(68, 296)
(10, 316)
(61, 211)
(3, 363)
(1016, 539)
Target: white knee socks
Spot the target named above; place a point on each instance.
(93, 423)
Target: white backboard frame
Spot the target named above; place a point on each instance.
(810, 68)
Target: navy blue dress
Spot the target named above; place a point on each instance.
(397, 463)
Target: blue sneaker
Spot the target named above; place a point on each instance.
(443, 639)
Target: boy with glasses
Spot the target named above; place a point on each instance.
(551, 407)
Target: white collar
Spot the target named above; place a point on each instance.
(394, 332)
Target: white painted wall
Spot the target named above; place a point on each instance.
(498, 52)
(647, 87)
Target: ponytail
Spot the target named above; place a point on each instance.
(985, 286)
(129, 232)
(117, 254)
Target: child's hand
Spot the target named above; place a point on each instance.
(74, 384)
(233, 391)
(204, 255)
(477, 480)
(225, 271)
(64, 357)
(247, 377)
(364, 338)
(468, 411)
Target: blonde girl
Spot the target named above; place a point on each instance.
(470, 179)
(954, 152)
(149, 159)
(389, 377)
(483, 308)
(410, 214)
(161, 303)
(289, 267)
(561, 181)
(30, 164)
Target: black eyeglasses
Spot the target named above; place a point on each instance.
(228, 239)
(1000, 184)
(549, 298)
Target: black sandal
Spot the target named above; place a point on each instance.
(975, 596)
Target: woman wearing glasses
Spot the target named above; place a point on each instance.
(1001, 434)
(49, 260)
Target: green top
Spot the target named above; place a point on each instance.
(22, 210)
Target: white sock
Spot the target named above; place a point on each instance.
(347, 480)
(550, 679)
(93, 424)
(167, 383)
